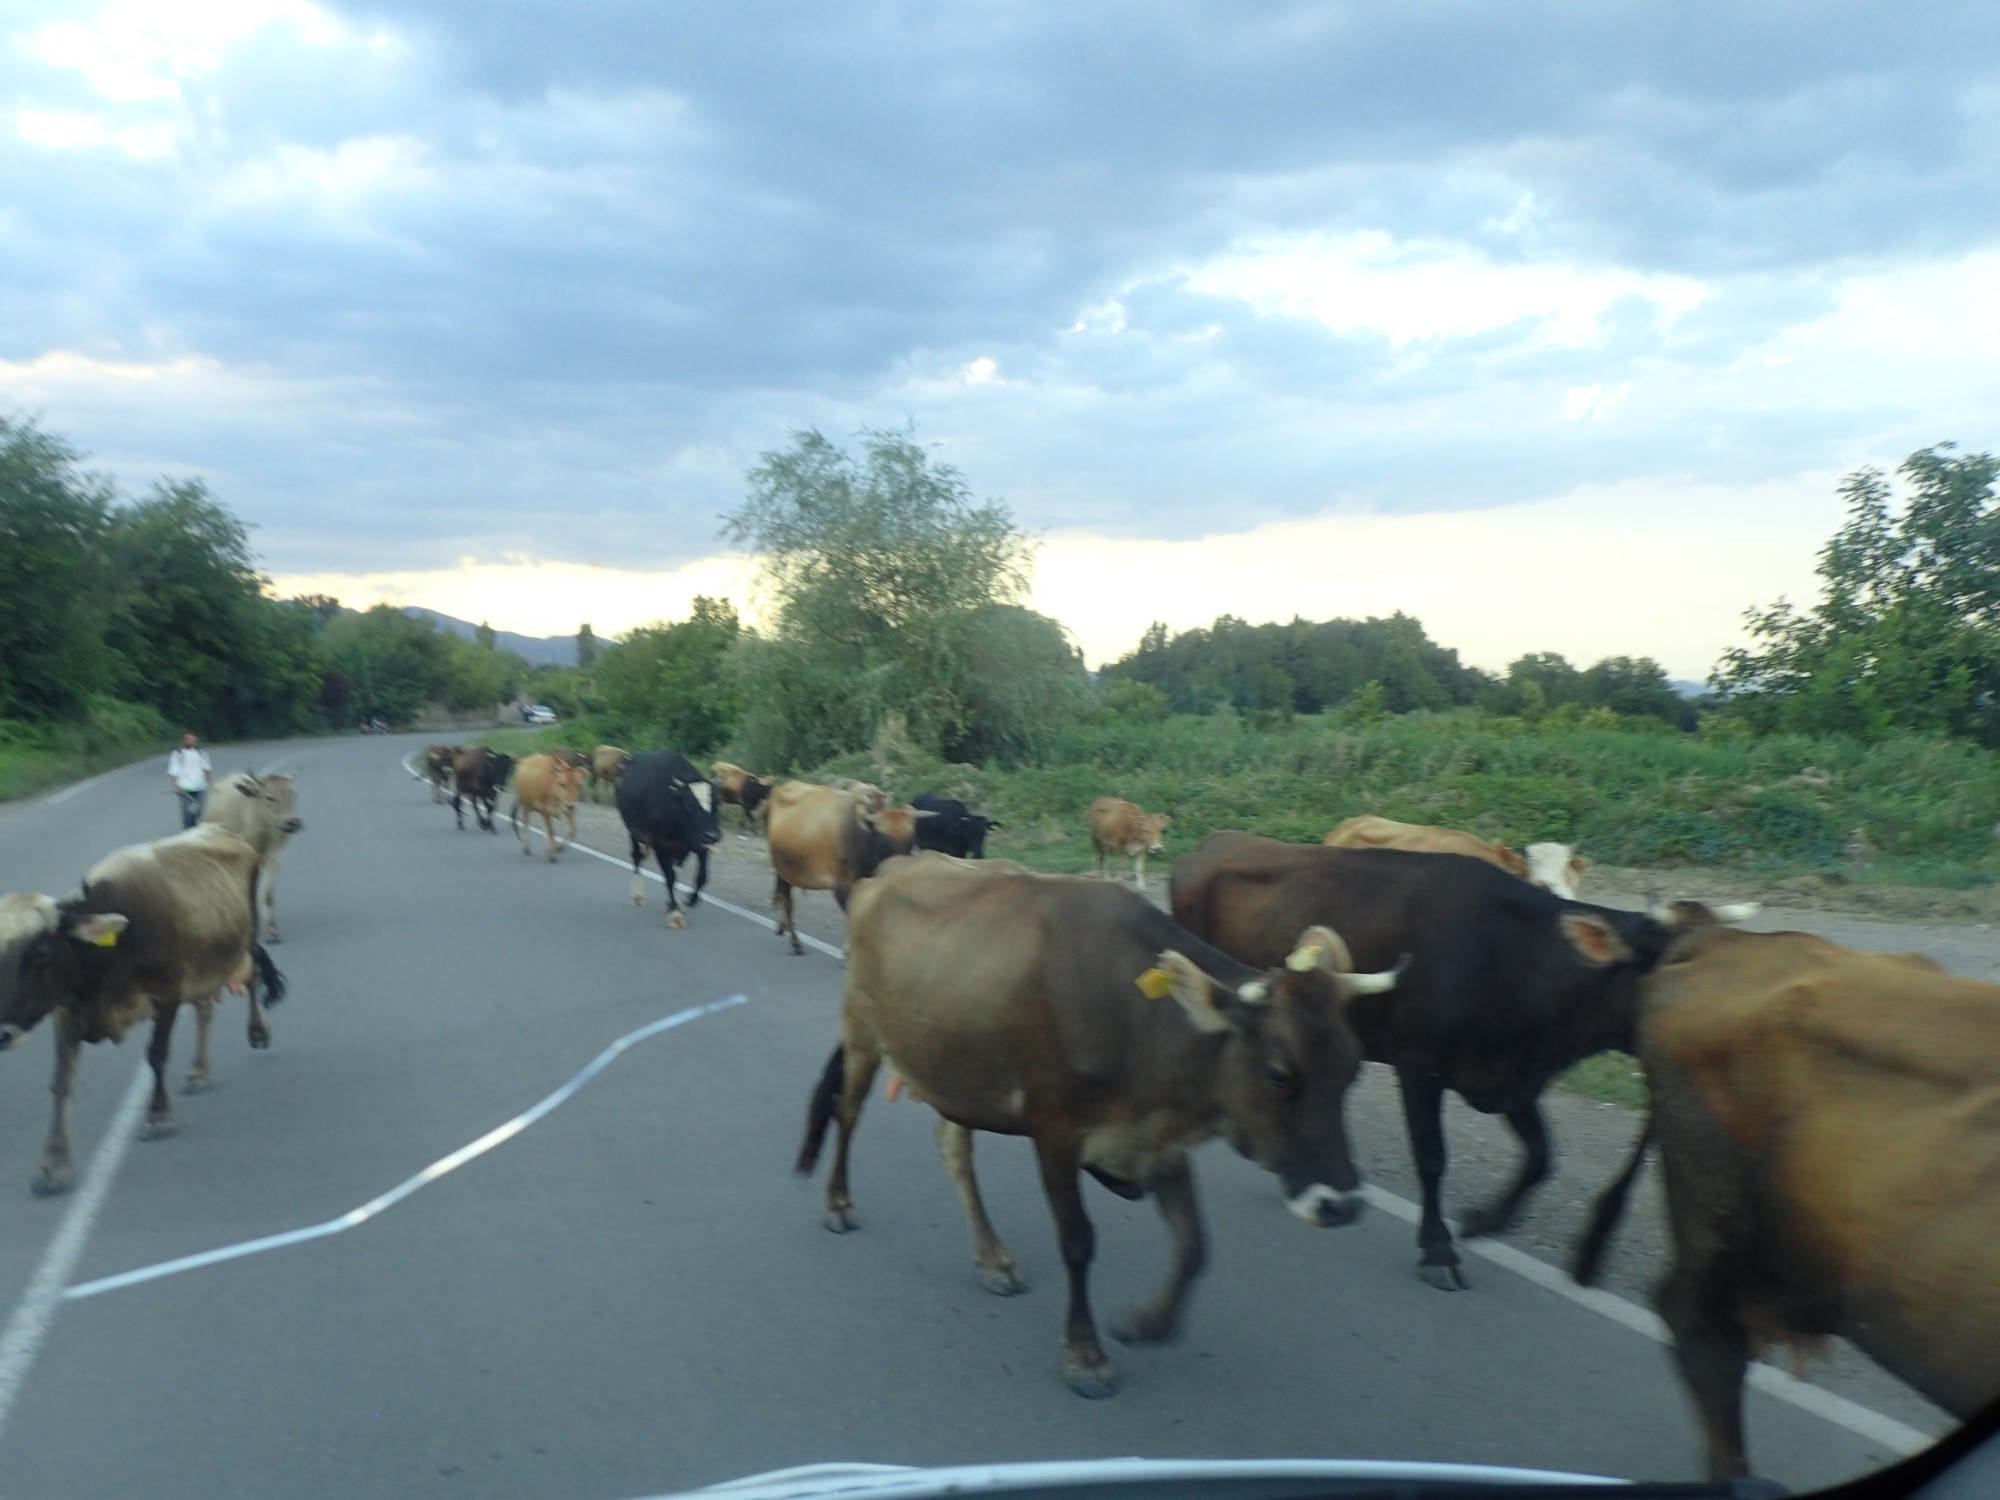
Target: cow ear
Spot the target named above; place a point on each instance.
(98, 928)
(1596, 941)
(1320, 948)
(1209, 1005)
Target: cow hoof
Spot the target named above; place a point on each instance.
(841, 1221)
(1092, 1382)
(638, 900)
(677, 921)
(51, 1181)
(1444, 1278)
(197, 1083)
(157, 1130)
(272, 936)
(1142, 1325)
(1002, 1281)
(260, 1037)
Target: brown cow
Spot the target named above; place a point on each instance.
(1828, 1136)
(825, 839)
(737, 787)
(1121, 827)
(548, 785)
(1553, 867)
(478, 775)
(155, 926)
(607, 764)
(263, 812)
(1077, 1014)
(437, 767)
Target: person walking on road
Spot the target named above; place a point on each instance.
(189, 771)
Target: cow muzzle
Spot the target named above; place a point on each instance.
(10, 1034)
(1325, 1208)
(292, 825)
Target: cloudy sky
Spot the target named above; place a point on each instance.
(1553, 324)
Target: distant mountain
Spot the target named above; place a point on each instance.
(1680, 685)
(539, 650)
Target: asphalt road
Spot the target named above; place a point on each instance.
(634, 1295)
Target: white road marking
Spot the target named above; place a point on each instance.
(77, 786)
(499, 1135)
(22, 1339)
(1898, 1437)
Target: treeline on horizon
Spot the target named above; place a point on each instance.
(896, 607)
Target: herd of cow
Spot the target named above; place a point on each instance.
(1828, 1121)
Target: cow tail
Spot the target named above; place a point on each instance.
(819, 1114)
(513, 816)
(1609, 1210)
(268, 974)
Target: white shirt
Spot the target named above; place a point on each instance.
(189, 768)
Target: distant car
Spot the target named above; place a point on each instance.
(541, 713)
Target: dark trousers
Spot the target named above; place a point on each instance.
(191, 807)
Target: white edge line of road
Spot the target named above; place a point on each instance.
(1898, 1437)
(22, 1338)
(77, 786)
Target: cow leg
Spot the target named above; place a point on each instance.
(781, 898)
(997, 1271)
(571, 838)
(1139, 871)
(54, 1175)
(268, 877)
(199, 1077)
(1423, 1115)
(860, 1058)
(638, 880)
(1086, 1369)
(458, 809)
(160, 1113)
(700, 876)
(1159, 1320)
(1497, 1215)
(259, 1026)
(1712, 1347)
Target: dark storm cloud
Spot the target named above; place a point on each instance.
(547, 278)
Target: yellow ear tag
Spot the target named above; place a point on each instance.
(1303, 960)
(106, 939)
(1155, 984)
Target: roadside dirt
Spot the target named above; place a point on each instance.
(1591, 1140)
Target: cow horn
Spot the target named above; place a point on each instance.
(1255, 992)
(1737, 911)
(1376, 984)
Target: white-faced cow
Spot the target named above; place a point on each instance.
(824, 838)
(1828, 1137)
(1553, 867)
(438, 761)
(1508, 984)
(479, 776)
(1075, 1013)
(1120, 827)
(263, 812)
(669, 808)
(952, 827)
(155, 927)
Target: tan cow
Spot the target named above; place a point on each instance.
(825, 839)
(736, 787)
(155, 927)
(437, 766)
(263, 812)
(1121, 827)
(1074, 1013)
(1553, 867)
(1829, 1136)
(872, 796)
(607, 764)
(547, 785)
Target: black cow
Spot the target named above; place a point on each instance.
(668, 807)
(952, 828)
(479, 775)
(1508, 984)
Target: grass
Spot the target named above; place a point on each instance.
(1610, 1078)
(34, 757)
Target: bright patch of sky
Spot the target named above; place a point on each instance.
(1554, 327)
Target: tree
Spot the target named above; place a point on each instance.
(586, 649)
(672, 681)
(56, 595)
(1907, 632)
(487, 637)
(884, 573)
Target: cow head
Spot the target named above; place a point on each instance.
(1288, 1059)
(1623, 948)
(700, 799)
(569, 779)
(974, 828)
(498, 768)
(754, 794)
(279, 794)
(46, 951)
(1555, 867)
(1153, 828)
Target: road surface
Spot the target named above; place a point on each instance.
(634, 1295)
